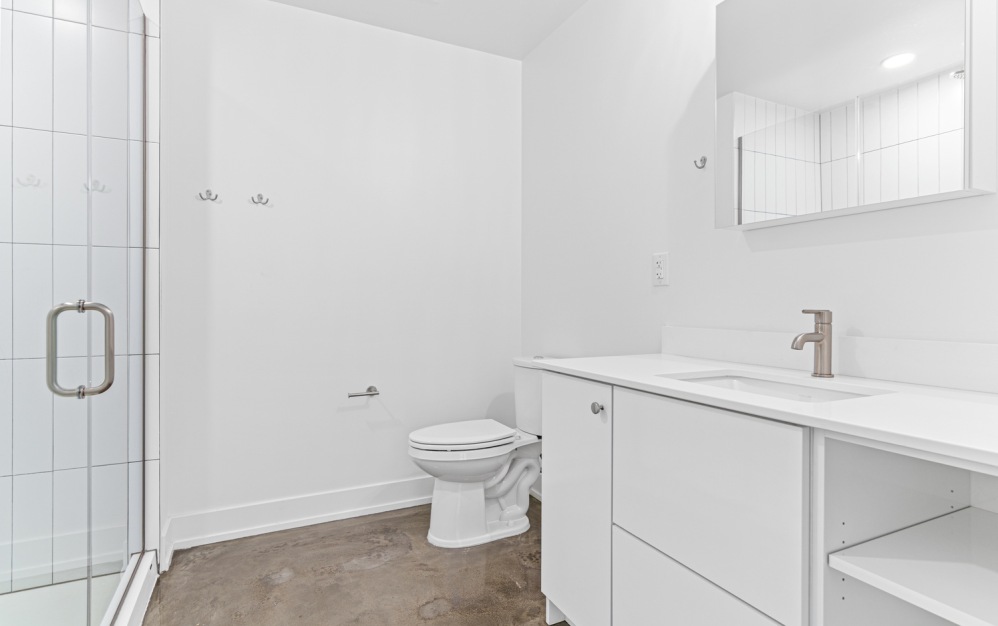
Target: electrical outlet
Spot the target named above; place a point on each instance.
(660, 269)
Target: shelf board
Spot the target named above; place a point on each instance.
(947, 566)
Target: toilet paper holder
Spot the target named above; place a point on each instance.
(371, 391)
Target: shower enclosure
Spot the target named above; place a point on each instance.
(72, 163)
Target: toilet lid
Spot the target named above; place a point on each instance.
(463, 435)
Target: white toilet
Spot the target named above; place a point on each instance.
(483, 469)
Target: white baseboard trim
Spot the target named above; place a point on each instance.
(197, 529)
(537, 488)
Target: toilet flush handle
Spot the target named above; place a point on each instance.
(596, 408)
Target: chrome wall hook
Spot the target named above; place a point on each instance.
(702, 163)
(96, 187)
(259, 199)
(207, 196)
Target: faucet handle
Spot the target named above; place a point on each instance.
(821, 316)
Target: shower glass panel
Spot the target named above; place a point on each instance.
(71, 229)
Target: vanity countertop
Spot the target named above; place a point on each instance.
(959, 424)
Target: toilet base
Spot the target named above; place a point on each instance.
(497, 530)
(461, 515)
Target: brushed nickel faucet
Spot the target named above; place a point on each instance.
(822, 340)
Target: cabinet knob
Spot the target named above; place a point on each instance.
(596, 408)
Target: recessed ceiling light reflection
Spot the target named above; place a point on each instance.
(898, 60)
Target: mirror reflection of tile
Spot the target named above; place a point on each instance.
(900, 143)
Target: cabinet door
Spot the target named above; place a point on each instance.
(651, 588)
(575, 533)
(723, 493)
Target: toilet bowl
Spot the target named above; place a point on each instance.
(483, 469)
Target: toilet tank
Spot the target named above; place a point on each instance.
(527, 393)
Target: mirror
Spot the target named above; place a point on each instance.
(831, 107)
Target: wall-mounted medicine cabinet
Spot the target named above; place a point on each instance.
(833, 107)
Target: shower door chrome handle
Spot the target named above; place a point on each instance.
(52, 350)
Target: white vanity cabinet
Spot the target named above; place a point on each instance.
(698, 506)
(651, 588)
(699, 514)
(902, 536)
(575, 535)
(722, 493)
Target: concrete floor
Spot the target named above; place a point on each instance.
(375, 570)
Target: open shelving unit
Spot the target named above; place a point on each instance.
(947, 566)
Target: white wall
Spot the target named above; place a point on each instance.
(390, 256)
(617, 104)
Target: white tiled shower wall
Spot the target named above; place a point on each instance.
(912, 140)
(43, 261)
(779, 159)
(794, 162)
(839, 170)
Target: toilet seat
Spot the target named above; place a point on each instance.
(463, 441)
(460, 455)
(460, 448)
(463, 436)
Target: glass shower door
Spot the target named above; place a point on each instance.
(71, 230)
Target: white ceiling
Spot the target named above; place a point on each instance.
(814, 54)
(509, 28)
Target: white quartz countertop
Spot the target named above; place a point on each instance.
(960, 424)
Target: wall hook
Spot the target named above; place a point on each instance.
(207, 196)
(259, 199)
(97, 187)
(30, 181)
(702, 163)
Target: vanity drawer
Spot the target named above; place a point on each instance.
(651, 588)
(723, 493)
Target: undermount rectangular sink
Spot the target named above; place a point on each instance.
(777, 386)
